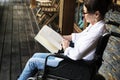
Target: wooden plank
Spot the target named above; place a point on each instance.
(34, 29)
(29, 32)
(27, 35)
(24, 50)
(76, 28)
(5, 67)
(17, 42)
(15, 56)
(2, 32)
(1, 10)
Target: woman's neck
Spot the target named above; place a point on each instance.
(97, 20)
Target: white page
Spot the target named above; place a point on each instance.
(46, 44)
(51, 38)
(43, 0)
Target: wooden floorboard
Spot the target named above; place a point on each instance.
(17, 44)
(15, 65)
(6, 49)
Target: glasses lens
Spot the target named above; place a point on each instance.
(84, 12)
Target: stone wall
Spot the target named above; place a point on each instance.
(110, 68)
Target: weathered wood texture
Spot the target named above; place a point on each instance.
(17, 44)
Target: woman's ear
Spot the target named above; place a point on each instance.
(97, 15)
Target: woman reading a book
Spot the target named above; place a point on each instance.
(84, 42)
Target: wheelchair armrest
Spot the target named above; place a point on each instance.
(68, 59)
(59, 56)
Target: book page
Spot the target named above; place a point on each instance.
(49, 39)
(43, 0)
(46, 44)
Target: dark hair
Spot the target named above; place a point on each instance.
(98, 5)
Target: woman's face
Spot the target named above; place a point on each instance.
(89, 17)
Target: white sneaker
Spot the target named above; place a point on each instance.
(31, 78)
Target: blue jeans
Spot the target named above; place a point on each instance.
(36, 62)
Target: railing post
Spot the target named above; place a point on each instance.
(66, 16)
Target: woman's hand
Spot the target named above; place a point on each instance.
(67, 37)
(65, 43)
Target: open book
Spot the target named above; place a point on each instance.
(50, 39)
(43, 0)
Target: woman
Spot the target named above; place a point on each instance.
(84, 42)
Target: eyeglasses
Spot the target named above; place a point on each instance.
(85, 12)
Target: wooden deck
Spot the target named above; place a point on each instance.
(17, 31)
